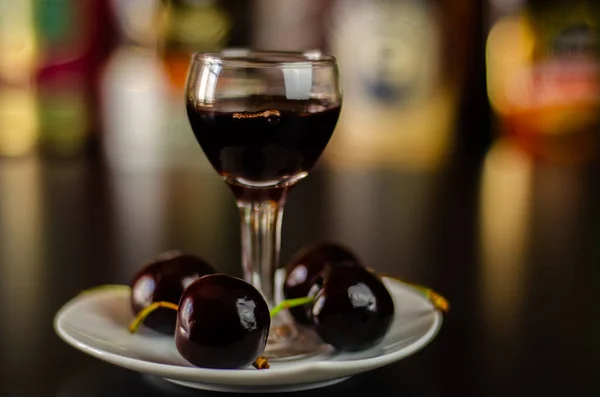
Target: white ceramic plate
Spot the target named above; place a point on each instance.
(96, 323)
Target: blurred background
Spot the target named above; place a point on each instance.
(465, 159)
(106, 76)
(93, 127)
(91, 97)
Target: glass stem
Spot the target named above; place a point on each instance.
(261, 241)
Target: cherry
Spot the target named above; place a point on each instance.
(163, 280)
(222, 322)
(305, 273)
(353, 310)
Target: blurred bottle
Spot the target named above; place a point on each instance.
(75, 37)
(188, 26)
(401, 63)
(134, 94)
(542, 60)
(288, 25)
(18, 54)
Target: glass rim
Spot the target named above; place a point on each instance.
(243, 57)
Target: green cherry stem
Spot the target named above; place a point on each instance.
(289, 303)
(437, 300)
(139, 319)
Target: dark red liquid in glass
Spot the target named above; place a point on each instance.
(263, 142)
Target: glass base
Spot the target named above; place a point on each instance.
(289, 342)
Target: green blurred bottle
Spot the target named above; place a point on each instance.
(75, 38)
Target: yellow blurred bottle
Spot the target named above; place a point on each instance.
(18, 52)
(401, 65)
(187, 26)
(543, 81)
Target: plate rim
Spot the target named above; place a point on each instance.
(244, 376)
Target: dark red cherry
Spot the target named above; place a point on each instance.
(165, 279)
(354, 310)
(305, 272)
(222, 322)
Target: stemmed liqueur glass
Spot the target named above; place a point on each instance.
(263, 119)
